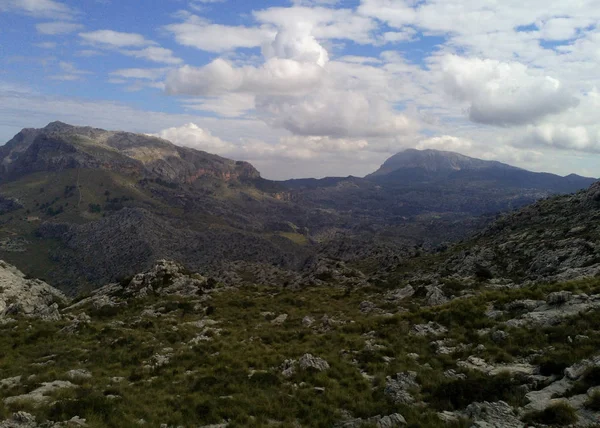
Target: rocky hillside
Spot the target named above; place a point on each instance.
(168, 347)
(59, 146)
(556, 239)
(81, 207)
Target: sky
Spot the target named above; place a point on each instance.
(314, 88)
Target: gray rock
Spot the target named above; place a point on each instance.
(279, 320)
(308, 321)
(397, 387)
(40, 395)
(79, 374)
(20, 420)
(435, 296)
(10, 382)
(31, 298)
(400, 294)
(431, 328)
(310, 362)
(493, 415)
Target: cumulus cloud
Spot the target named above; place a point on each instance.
(446, 143)
(503, 93)
(294, 63)
(191, 135)
(228, 105)
(220, 76)
(297, 88)
(325, 23)
(337, 113)
(289, 147)
(202, 34)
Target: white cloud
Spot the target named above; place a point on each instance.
(228, 105)
(502, 93)
(116, 39)
(220, 76)
(191, 135)
(296, 43)
(326, 23)
(290, 147)
(336, 113)
(202, 34)
(155, 54)
(58, 27)
(446, 143)
(38, 8)
(140, 73)
(69, 72)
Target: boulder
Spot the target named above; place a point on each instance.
(32, 298)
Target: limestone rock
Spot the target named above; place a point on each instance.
(310, 362)
(493, 415)
(40, 395)
(279, 320)
(431, 328)
(31, 298)
(397, 387)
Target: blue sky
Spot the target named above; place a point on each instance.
(314, 87)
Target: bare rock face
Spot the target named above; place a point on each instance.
(27, 297)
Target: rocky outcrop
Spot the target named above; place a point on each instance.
(307, 362)
(493, 415)
(166, 278)
(33, 298)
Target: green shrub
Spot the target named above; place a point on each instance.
(458, 394)
(593, 403)
(559, 414)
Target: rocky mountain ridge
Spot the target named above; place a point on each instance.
(82, 207)
(59, 146)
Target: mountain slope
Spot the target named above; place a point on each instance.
(59, 146)
(81, 206)
(84, 206)
(436, 163)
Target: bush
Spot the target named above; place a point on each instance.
(559, 414)
(593, 403)
(458, 394)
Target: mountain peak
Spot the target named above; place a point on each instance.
(60, 146)
(435, 162)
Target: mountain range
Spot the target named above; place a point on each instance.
(81, 206)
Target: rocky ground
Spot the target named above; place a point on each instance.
(498, 331)
(169, 347)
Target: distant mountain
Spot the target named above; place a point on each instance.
(435, 163)
(453, 169)
(59, 146)
(81, 206)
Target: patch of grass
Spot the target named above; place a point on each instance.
(560, 414)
